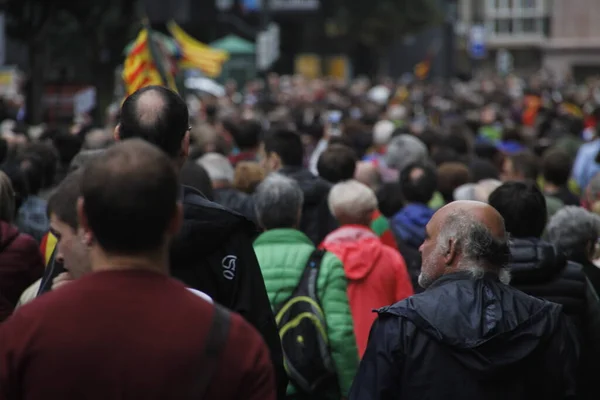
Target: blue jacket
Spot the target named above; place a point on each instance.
(409, 224)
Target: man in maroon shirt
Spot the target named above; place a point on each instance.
(127, 330)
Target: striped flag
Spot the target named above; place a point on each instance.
(196, 54)
(139, 69)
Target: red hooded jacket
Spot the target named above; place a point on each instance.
(376, 273)
(21, 264)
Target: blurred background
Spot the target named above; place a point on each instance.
(63, 58)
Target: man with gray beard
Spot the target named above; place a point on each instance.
(469, 335)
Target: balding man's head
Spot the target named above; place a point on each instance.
(368, 174)
(157, 115)
(130, 198)
(464, 235)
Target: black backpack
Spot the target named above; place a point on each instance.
(303, 332)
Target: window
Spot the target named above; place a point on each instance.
(503, 26)
(529, 4)
(531, 25)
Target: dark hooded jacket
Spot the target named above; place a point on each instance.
(466, 338)
(213, 253)
(317, 221)
(539, 269)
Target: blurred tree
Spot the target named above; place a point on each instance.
(376, 24)
(106, 26)
(93, 30)
(27, 21)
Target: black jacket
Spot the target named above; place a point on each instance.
(541, 270)
(213, 253)
(317, 221)
(237, 201)
(466, 338)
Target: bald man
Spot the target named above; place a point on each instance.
(469, 335)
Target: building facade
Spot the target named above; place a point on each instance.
(560, 35)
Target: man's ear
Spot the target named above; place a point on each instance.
(450, 254)
(117, 133)
(83, 222)
(185, 146)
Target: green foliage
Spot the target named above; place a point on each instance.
(376, 23)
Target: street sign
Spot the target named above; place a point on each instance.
(477, 47)
(267, 47)
(504, 62)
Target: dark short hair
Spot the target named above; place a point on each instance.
(337, 163)
(526, 163)
(451, 175)
(248, 134)
(390, 199)
(523, 207)
(287, 145)
(556, 167)
(130, 195)
(164, 125)
(422, 189)
(46, 156)
(457, 140)
(63, 202)
(33, 170)
(481, 169)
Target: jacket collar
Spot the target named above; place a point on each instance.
(282, 236)
(459, 276)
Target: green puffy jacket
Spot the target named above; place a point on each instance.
(282, 255)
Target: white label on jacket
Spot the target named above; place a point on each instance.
(228, 264)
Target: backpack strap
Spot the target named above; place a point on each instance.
(311, 271)
(215, 343)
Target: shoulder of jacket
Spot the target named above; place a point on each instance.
(331, 261)
(574, 272)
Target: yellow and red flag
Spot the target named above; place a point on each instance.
(195, 54)
(422, 69)
(139, 69)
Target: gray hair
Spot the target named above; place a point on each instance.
(217, 167)
(278, 201)
(351, 199)
(481, 251)
(573, 228)
(404, 150)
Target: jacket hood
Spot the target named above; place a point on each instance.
(206, 226)
(409, 223)
(358, 248)
(488, 326)
(535, 261)
(315, 189)
(8, 234)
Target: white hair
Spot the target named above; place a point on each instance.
(382, 132)
(351, 199)
(217, 167)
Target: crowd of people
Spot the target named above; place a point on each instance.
(316, 240)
